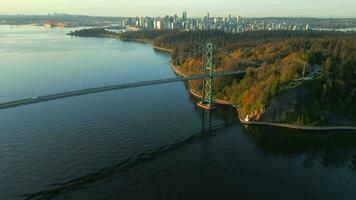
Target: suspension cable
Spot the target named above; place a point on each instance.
(187, 55)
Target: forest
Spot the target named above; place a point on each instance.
(275, 62)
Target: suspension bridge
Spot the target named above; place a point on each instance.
(207, 87)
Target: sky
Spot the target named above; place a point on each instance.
(195, 8)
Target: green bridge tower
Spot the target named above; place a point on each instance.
(207, 101)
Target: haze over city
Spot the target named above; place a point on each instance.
(251, 8)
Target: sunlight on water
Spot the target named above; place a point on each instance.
(143, 143)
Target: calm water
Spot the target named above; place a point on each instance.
(144, 143)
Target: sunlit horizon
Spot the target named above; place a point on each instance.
(126, 8)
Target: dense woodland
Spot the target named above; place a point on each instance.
(273, 60)
(97, 32)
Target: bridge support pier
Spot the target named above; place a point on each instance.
(207, 101)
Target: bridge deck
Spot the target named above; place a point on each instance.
(109, 88)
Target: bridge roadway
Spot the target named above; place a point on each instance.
(109, 88)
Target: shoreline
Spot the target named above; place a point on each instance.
(224, 102)
(143, 41)
(272, 124)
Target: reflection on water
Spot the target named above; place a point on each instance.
(37, 62)
(208, 130)
(146, 143)
(330, 149)
(332, 152)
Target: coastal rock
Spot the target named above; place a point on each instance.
(291, 106)
(288, 102)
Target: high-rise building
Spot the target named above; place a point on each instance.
(232, 24)
(238, 19)
(149, 23)
(184, 16)
(207, 18)
(158, 24)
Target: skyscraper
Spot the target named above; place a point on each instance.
(207, 19)
(184, 16)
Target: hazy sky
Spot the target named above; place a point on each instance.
(196, 8)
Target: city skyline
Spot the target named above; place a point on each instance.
(253, 8)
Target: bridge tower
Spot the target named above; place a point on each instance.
(208, 82)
